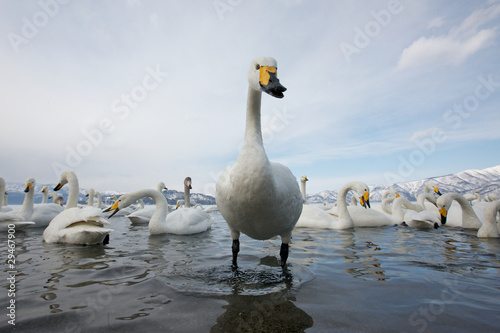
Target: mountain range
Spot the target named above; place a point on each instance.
(485, 181)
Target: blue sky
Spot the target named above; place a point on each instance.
(130, 93)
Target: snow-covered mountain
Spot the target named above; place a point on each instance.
(485, 181)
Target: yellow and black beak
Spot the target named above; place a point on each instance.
(437, 191)
(443, 213)
(115, 208)
(270, 83)
(28, 186)
(58, 187)
(365, 200)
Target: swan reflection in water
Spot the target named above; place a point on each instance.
(268, 312)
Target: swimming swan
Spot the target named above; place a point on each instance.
(144, 214)
(17, 217)
(75, 225)
(469, 218)
(361, 216)
(260, 198)
(489, 229)
(184, 221)
(414, 216)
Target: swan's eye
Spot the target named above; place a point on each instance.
(257, 66)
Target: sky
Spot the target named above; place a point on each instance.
(131, 93)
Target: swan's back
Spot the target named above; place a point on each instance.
(187, 221)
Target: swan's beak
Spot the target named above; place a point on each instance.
(437, 191)
(365, 200)
(443, 213)
(114, 207)
(58, 187)
(270, 83)
(397, 195)
(27, 189)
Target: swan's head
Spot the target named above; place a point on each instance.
(443, 204)
(161, 186)
(303, 179)
(364, 193)
(44, 189)
(30, 184)
(122, 202)
(432, 186)
(263, 76)
(187, 182)
(64, 179)
(90, 193)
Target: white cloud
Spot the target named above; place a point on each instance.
(436, 23)
(455, 47)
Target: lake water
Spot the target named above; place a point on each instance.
(389, 279)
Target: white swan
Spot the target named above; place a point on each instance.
(414, 216)
(90, 195)
(257, 197)
(56, 198)
(431, 186)
(75, 225)
(99, 199)
(489, 229)
(3, 197)
(473, 197)
(17, 217)
(45, 192)
(144, 214)
(41, 214)
(313, 216)
(387, 200)
(362, 216)
(469, 218)
(184, 221)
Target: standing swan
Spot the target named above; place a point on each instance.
(255, 196)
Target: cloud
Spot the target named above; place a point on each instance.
(454, 48)
(436, 23)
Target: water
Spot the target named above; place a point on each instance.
(390, 279)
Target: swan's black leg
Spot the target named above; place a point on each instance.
(106, 240)
(236, 249)
(284, 254)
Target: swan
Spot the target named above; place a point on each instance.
(260, 198)
(387, 199)
(90, 195)
(144, 214)
(472, 197)
(491, 197)
(99, 199)
(469, 218)
(56, 198)
(45, 192)
(361, 216)
(431, 185)
(75, 225)
(41, 214)
(184, 221)
(414, 216)
(313, 216)
(18, 217)
(489, 229)
(3, 197)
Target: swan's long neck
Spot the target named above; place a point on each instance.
(28, 203)
(161, 208)
(187, 198)
(344, 215)
(90, 202)
(45, 196)
(74, 191)
(99, 200)
(253, 131)
(303, 190)
(468, 214)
